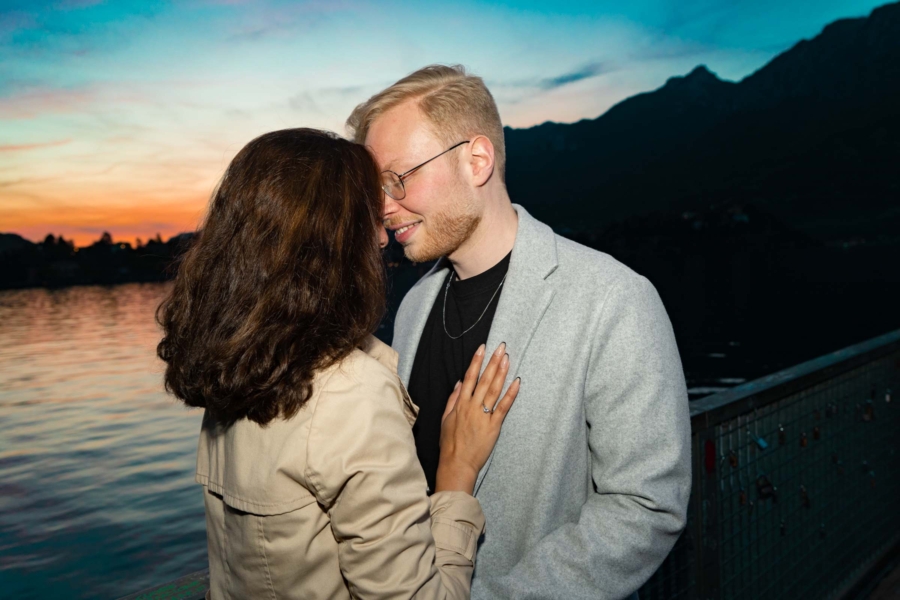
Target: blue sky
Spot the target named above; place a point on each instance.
(122, 115)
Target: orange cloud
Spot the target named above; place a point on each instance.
(23, 147)
(85, 223)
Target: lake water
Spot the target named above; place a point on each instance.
(97, 496)
(97, 492)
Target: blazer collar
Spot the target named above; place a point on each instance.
(533, 259)
(525, 298)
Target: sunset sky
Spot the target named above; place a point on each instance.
(122, 115)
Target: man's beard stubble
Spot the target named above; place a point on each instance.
(445, 233)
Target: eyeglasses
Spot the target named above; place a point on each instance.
(392, 183)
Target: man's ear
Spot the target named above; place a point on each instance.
(481, 151)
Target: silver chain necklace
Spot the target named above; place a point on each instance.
(447, 289)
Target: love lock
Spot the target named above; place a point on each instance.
(804, 497)
(765, 490)
(869, 411)
(732, 459)
(761, 443)
(804, 441)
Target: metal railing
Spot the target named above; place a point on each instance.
(796, 482)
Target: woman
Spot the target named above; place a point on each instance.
(311, 483)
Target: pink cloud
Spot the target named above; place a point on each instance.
(24, 147)
(35, 101)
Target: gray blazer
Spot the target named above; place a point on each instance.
(586, 490)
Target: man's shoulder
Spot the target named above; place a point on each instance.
(590, 268)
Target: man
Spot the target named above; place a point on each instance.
(587, 487)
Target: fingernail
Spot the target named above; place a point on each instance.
(505, 361)
(480, 350)
(456, 386)
(500, 348)
(518, 380)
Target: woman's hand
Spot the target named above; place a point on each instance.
(471, 422)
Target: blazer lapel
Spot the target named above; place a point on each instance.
(525, 298)
(410, 324)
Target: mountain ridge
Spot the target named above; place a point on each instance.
(806, 136)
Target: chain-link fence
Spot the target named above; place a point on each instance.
(796, 482)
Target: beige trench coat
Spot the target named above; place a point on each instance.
(332, 503)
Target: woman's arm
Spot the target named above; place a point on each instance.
(393, 541)
(364, 470)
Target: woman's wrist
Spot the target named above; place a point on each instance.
(455, 477)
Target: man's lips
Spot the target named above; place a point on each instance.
(405, 231)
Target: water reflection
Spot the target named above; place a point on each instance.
(96, 462)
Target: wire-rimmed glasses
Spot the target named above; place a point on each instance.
(392, 183)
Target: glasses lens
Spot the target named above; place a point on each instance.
(392, 185)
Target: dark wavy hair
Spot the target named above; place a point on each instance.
(285, 277)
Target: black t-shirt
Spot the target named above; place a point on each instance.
(441, 361)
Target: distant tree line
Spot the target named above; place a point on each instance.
(57, 262)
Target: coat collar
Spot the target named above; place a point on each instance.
(388, 357)
(381, 352)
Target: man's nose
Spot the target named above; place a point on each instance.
(390, 206)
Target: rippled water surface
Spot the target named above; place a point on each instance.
(97, 497)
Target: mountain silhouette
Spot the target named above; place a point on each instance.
(811, 138)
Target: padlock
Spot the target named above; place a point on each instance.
(761, 443)
(869, 411)
(816, 433)
(782, 436)
(732, 459)
(765, 490)
(742, 497)
(804, 441)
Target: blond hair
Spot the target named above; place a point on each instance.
(457, 104)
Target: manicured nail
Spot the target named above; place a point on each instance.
(518, 380)
(455, 387)
(505, 362)
(480, 350)
(500, 348)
